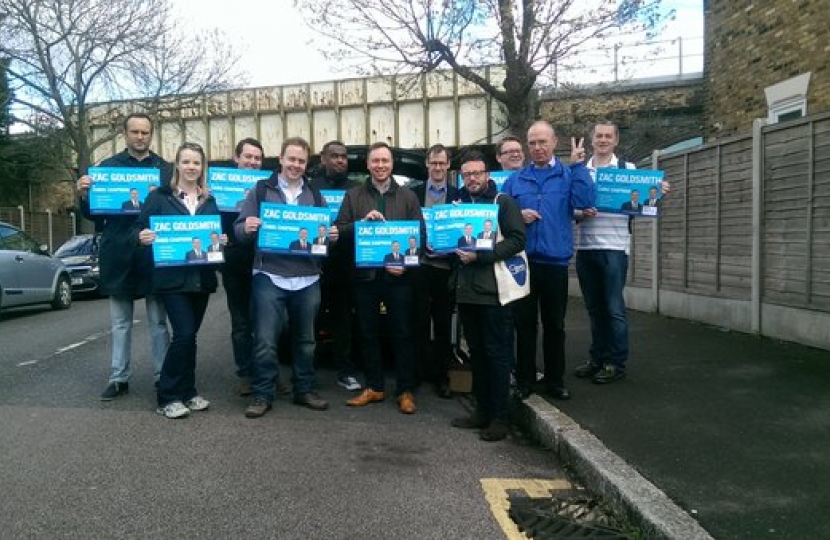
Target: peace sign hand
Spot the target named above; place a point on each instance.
(578, 154)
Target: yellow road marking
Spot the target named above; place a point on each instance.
(496, 492)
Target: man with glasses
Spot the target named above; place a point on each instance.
(126, 268)
(547, 192)
(509, 154)
(488, 326)
(433, 302)
(335, 313)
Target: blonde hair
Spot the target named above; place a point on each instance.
(174, 182)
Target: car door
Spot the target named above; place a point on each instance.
(11, 293)
(36, 270)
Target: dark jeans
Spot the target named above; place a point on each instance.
(548, 295)
(396, 295)
(273, 310)
(237, 284)
(602, 274)
(433, 302)
(488, 331)
(185, 312)
(336, 315)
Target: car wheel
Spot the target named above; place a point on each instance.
(63, 294)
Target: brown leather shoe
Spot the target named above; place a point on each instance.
(406, 403)
(366, 397)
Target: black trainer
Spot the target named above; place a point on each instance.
(115, 389)
(496, 431)
(608, 374)
(586, 371)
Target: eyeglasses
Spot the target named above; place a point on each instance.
(473, 174)
(437, 163)
(513, 152)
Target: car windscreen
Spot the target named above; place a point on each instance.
(74, 247)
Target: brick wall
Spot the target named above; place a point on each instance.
(751, 45)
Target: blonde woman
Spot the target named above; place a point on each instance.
(184, 290)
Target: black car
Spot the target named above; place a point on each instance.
(80, 255)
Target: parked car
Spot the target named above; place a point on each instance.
(80, 255)
(29, 274)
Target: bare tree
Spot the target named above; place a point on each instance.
(528, 37)
(65, 55)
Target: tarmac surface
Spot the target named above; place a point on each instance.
(733, 428)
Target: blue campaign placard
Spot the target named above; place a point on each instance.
(231, 186)
(464, 226)
(183, 240)
(387, 243)
(635, 192)
(294, 230)
(427, 213)
(499, 177)
(333, 198)
(121, 190)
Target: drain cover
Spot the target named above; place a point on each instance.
(561, 519)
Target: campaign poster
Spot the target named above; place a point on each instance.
(464, 226)
(121, 190)
(427, 213)
(333, 198)
(183, 240)
(294, 230)
(499, 177)
(231, 186)
(635, 192)
(387, 243)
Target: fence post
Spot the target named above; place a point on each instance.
(655, 245)
(49, 227)
(757, 220)
(22, 217)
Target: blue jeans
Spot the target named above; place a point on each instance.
(489, 331)
(548, 296)
(602, 274)
(396, 295)
(273, 310)
(121, 321)
(178, 374)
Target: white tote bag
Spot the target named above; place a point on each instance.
(512, 274)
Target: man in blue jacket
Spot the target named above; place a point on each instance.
(547, 192)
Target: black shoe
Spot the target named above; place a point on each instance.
(115, 389)
(442, 390)
(474, 421)
(559, 392)
(257, 408)
(587, 371)
(312, 401)
(496, 431)
(608, 374)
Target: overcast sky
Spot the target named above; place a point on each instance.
(277, 48)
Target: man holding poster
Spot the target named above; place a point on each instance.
(382, 199)
(488, 325)
(126, 268)
(285, 288)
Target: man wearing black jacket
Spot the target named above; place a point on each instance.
(336, 300)
(433, 304)
(488, 325)
(126, 267)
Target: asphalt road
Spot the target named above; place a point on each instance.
(73, 466)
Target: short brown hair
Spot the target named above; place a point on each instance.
(295, 141)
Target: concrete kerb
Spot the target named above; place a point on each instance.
(608, 475)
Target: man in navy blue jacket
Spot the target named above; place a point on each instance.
(547, 192)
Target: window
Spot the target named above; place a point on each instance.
(787, 100)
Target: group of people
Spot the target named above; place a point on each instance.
(268, 292)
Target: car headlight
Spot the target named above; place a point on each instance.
(94, 270)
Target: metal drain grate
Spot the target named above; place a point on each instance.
(561, 519)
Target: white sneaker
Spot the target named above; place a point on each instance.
(176, 409)
(349, 383)
(197, 403)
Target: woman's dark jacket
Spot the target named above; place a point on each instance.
(170, 279)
